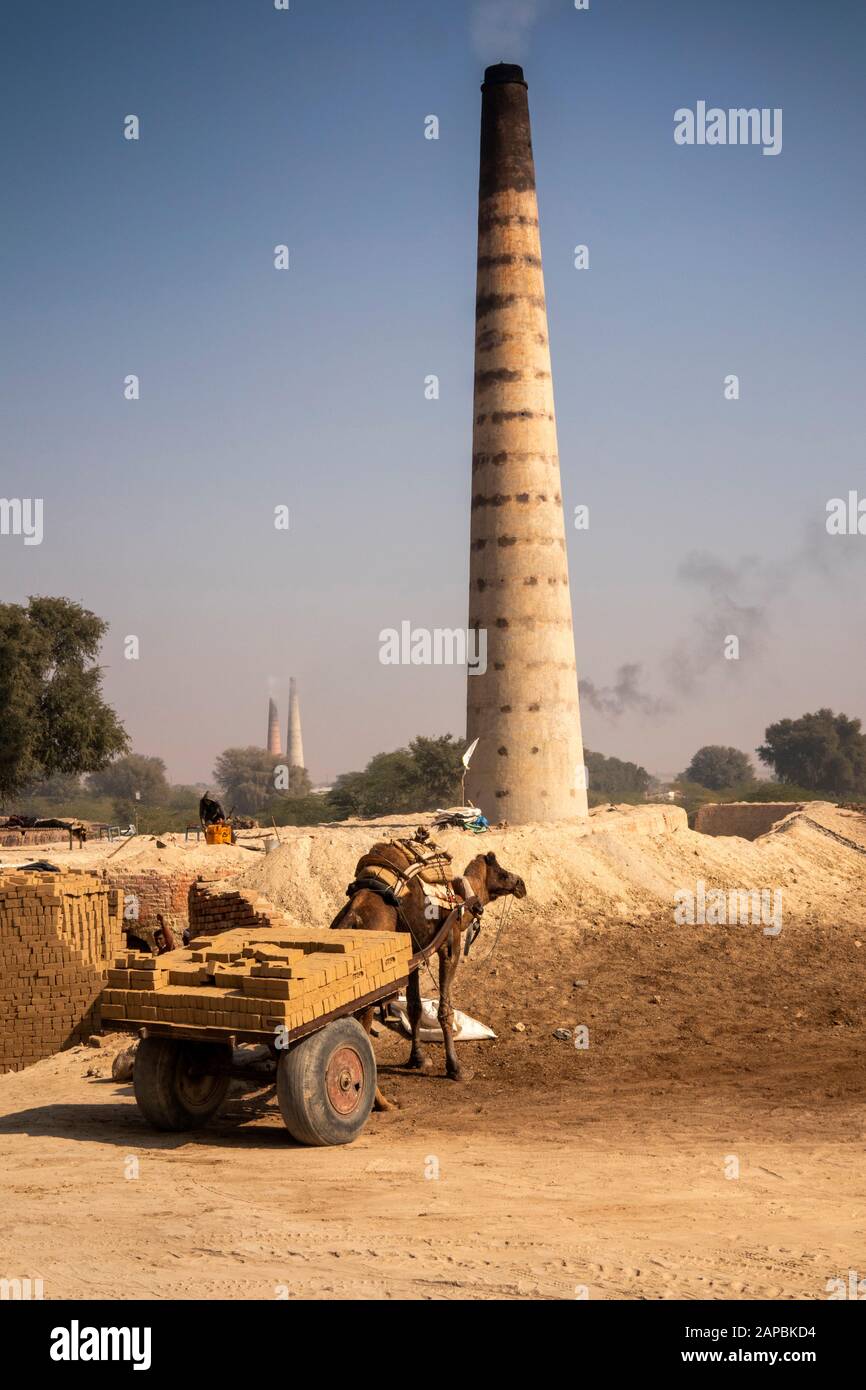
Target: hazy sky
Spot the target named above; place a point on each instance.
(306, 387)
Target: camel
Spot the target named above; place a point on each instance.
(403, 885)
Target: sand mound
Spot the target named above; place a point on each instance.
(624, 864)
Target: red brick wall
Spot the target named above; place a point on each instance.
(147, 892)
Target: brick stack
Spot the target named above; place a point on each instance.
(215, 909)
(58, 932)
(149, 893)
(14, 839)
(254, 981)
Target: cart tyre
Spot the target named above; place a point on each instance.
(326, 1084)
(172, 1085)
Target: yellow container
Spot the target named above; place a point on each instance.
(218, 834)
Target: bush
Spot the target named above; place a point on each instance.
(718, 767)
(299, 810)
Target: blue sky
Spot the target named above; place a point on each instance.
(306, 387)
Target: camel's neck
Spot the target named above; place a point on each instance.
(476, 875)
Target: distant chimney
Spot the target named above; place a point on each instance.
(523, 709)
(274, 745)
(295, 744)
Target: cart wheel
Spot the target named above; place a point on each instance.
(326, 1084)
(173, 1086)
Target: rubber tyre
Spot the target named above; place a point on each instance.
(326, 1084)
(172, 1086)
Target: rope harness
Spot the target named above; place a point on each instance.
(429, 865)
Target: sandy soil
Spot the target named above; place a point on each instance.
(552, 1169)
(170, 852)
(558, 1169)
(623, 864)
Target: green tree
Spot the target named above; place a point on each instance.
(718, 767)
(53, 719)
(418, 778)
(614, 778)
(385, 787)
(250, 778)
(821, 751)
(130, 774)
(183, 801)
(348, 796)
(438, 769)
(61, 787)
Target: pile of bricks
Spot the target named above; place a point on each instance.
(254, 981)
(58, 932)
(12, 839)
(152, 893)
(214, 908)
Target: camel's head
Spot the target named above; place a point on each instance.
(498, 880)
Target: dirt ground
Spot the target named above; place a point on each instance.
(552, 1173)
(171, 852)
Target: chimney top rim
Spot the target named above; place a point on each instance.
(501, 73)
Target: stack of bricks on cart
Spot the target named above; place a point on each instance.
(58, 933)
(250, 980)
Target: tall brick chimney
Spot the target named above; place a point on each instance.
(273, 728)
(295, 744)
(524, 709)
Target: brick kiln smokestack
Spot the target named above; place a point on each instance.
(274, 745)
(294, 744)
(524, 708)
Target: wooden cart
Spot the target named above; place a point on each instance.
(325, 1069)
